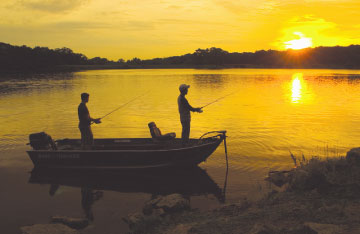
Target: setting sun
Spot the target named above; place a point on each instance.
(301, 43)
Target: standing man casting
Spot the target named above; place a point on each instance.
(184, 110)
(87, 138)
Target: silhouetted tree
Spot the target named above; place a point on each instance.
(98, 61)
(134, 61)
(23, 57)
(121, 61)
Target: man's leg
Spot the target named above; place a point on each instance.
(90, 136)
(87, 139)
(83, 137)
(185, 132)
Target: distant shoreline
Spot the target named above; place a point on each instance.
(244, 66)
(43, 59)
(77, 68)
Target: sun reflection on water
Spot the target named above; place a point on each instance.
(296, 87)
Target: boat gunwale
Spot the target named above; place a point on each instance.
(110, 167)
(145, 150)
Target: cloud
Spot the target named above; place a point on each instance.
(136, 25)
(125, 25)
(75, 26)
(52, 6)
(242, 7)
(328, 1)
(311, 22)
(187, 22)
(305, 19)
(175, 7)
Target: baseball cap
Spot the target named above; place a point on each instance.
(183, 87)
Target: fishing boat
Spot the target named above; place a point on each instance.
(124, 153)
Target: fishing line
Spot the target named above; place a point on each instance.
(121, 106)
(217, 100)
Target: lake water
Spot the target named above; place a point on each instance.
(268, 114)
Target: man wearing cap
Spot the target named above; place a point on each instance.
(184, 110)
(87, 138)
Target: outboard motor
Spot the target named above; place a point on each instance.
(42, 141)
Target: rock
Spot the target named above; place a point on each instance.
(180, 229)
(159, 212)
(319, 181)
(279, 178)
(301, 229)
(77, 223)
(48, 229)
(170, 203)
(353, 155)
(134, 219)
(298, 179)
(324, 228)
(234, 209)
(303, 180)
(260, 229)
(150, 205)
(155, 209)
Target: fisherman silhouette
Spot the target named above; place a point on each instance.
(184, 110)
(87, 138)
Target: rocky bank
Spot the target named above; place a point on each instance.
(318, 196)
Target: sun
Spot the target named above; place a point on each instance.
(301, 43)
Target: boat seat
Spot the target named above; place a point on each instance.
(156, 133)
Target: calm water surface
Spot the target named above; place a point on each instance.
(268, 114)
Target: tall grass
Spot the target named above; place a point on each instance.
(325, 174)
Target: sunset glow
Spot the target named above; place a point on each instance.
(298, 91)
(296, 87)
(148, 29)
(301, 43)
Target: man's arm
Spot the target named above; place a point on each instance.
(188, 106)
(97, 121)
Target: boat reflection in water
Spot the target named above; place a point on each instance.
(189, 182)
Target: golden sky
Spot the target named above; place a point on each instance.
(159, 28)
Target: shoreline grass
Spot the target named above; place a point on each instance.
(318, 195)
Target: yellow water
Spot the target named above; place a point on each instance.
(268, 113)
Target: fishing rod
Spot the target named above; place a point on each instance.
(217, 99)
(123, 105)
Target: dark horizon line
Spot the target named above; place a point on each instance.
(235, 52)
(40, 58)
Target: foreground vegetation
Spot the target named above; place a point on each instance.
(15, 58)
(318, 196)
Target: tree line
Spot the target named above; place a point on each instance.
(40, 58)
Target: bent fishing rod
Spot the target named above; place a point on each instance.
(217, 100)
(123, 105)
